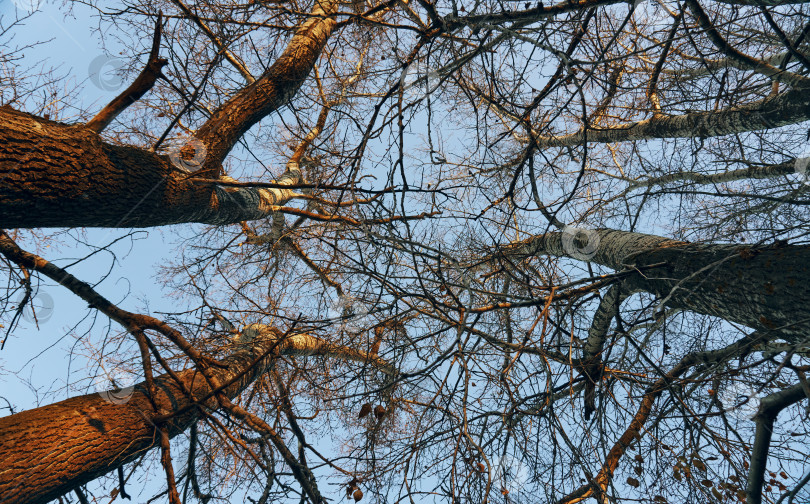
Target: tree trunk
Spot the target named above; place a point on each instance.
(49, 451)
(58, 175)
(762, 287)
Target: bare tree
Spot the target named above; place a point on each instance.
(479, 251)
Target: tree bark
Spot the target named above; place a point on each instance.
(764, 287)
(59, 175)
(49, 451)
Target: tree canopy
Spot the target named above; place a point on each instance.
(424, 250)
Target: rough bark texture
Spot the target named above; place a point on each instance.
(762, 287)
(72, 442)
(58, 175)
(48, 451)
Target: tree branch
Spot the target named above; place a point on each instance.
(145, 81)
(746, 61)
(592, 363)
(786, 108)
(635, 429)
(232, 59)
(273, 89)
(769, 409)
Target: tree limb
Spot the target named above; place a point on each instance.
(765, 287)
(769, 409)
(143, 83)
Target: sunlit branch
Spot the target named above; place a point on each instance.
(142, 84)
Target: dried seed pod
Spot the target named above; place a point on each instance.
(351, 487)
(379, 411)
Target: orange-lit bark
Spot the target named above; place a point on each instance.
(74, 441)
